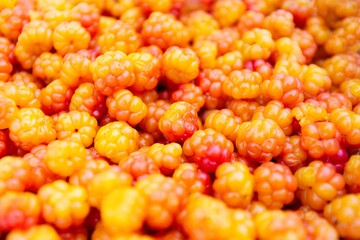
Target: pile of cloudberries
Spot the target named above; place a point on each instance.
(179, 119)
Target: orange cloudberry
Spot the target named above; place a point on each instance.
(243, 108)
(5, 67)
(55, 97)
(279, 225)
(70, 37)
(317, 27)
(123, 210)
(257, 44)
(112, 71)
(164, 31)
(293, 155)
(104, 182)
(156, 6)
(116, 140)
(88, 99)
(3, 143)
(8, 111)
(351, 88)
(318, 184)
(146, 139)
(348, 124)
(25, 96)
(343, 213)
(334, 100)
(288, 67)
(288, 49)
(165, 198)
(351, 173)
(31, 127)
(192, 178)
(117, 8)
(287, 89)
(300, 9)
(225, 39)
(260, 140)
(227, 12)
(54, 17)
(65, 157)
(179, 122)
(12, 21)
(47, 66)
(166, 156)
(275, 185)
(206, 51)
(34, 232)
(243, 84)
(208, 149)
(200, 23)
(120, 37)
(135, 17)
(124, 106)
(306, 42)
(225, 122)
(19, 210)
(315, 80)
(139, 164)
(210, 81)
(280, 23)
(88, 16)
(190, 93)
(229, 62)
(228, 177)
(180, 65)
(148, 96)
(147, 69)
(250, 20)
(76, 126)
(63, 205)
(309, 112)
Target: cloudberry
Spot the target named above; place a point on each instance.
(288, 67)
(75, 70)
(279, 225)
(250, 20)
(117, 8)
(243, 84)
(343, 213)
(309, 112)
(65, 157)
(180, 65)
(120, 37)
(104, 182)
(146, 139)
(208, 149)
(293, 155)
(229, 62)
(348, 124)
(166, 156)
(24, 95)
(123, 210)
(229, 178)
(3, 143)
(139, 164)
(306, 42)
(165, 198)
(210, 81)
(70, 37)
(47, 66)
(342, 67)
(227, 12)
(260, 140)
(280, 23)
(148, 96)
(40, 173)
(179, 122)
(150, 122)
(287, 89)
(225, 39)
(190, 93)
(12, 21)
(27, 79)
(88, 16)
(15, 173)
(54, 17)
(80, 233)
(153, 50)
(19, 210)
(135, 17)
(63, 205)
(243, 108)
(316, 226)
(31, 127)
(300, 9)
(34, 232)
(206, 51)
(315, 80)
(76, 126)
(275, 185)
(205, 217)
(288, 49)
(8, 111)
(88, 99)
(112, 71)
(225, 122)
(124, 106)
(147, 69)
(192, 178)
(351, 88)
(164, 31)
(318, 184)
(317, 27)
(276, 111)
(257, 44)
(55, 97)
(352, 173)
(334, 100)
(200, 23)
(155, 6)
(116, 140)
(5, 67)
